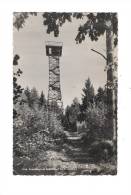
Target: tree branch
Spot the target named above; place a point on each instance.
(99, 54)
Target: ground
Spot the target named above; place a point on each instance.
(57, 163)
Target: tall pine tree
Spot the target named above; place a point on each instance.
(42, 100)
(88, 95)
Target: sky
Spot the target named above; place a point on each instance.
(77, 62)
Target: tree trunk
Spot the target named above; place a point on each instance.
(111, 116)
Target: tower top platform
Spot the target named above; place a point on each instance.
(53, 43)
(53, 48)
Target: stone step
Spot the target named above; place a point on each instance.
(78, 154)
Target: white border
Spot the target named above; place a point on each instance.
(68, 184)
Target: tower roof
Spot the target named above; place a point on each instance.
(53, 43)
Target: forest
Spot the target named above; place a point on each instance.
(79, 140)
(34, 145)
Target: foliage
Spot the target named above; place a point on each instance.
(101, 96)
(20, 18)
(71, 115)
(96, 119)
(32, 98)
(54, 20)
(59, 137)
(31, 133)
(17, 89)
(29, 130)
(88, 95)
(42, 100)
(94, 27)
(101, 151)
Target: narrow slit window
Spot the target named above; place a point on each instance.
(49, 50)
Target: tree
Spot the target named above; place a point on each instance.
(75, 109)
(66, 118)
(101, 96)
(95, 24)
(20, 19)
(95, 118)
(17, 89)
(88, 95)
(71, 115)
(42, 100)
(27, 98)
(34, 98)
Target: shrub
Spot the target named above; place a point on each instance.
(28, 131)
(59, 137)
(101, 151)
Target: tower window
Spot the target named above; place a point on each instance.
(49, 50)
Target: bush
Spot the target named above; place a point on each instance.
(87, 139)
(29, 131)
(101, 151)
(96, 117)
(59, 137)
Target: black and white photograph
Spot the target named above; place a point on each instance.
(65, 93)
